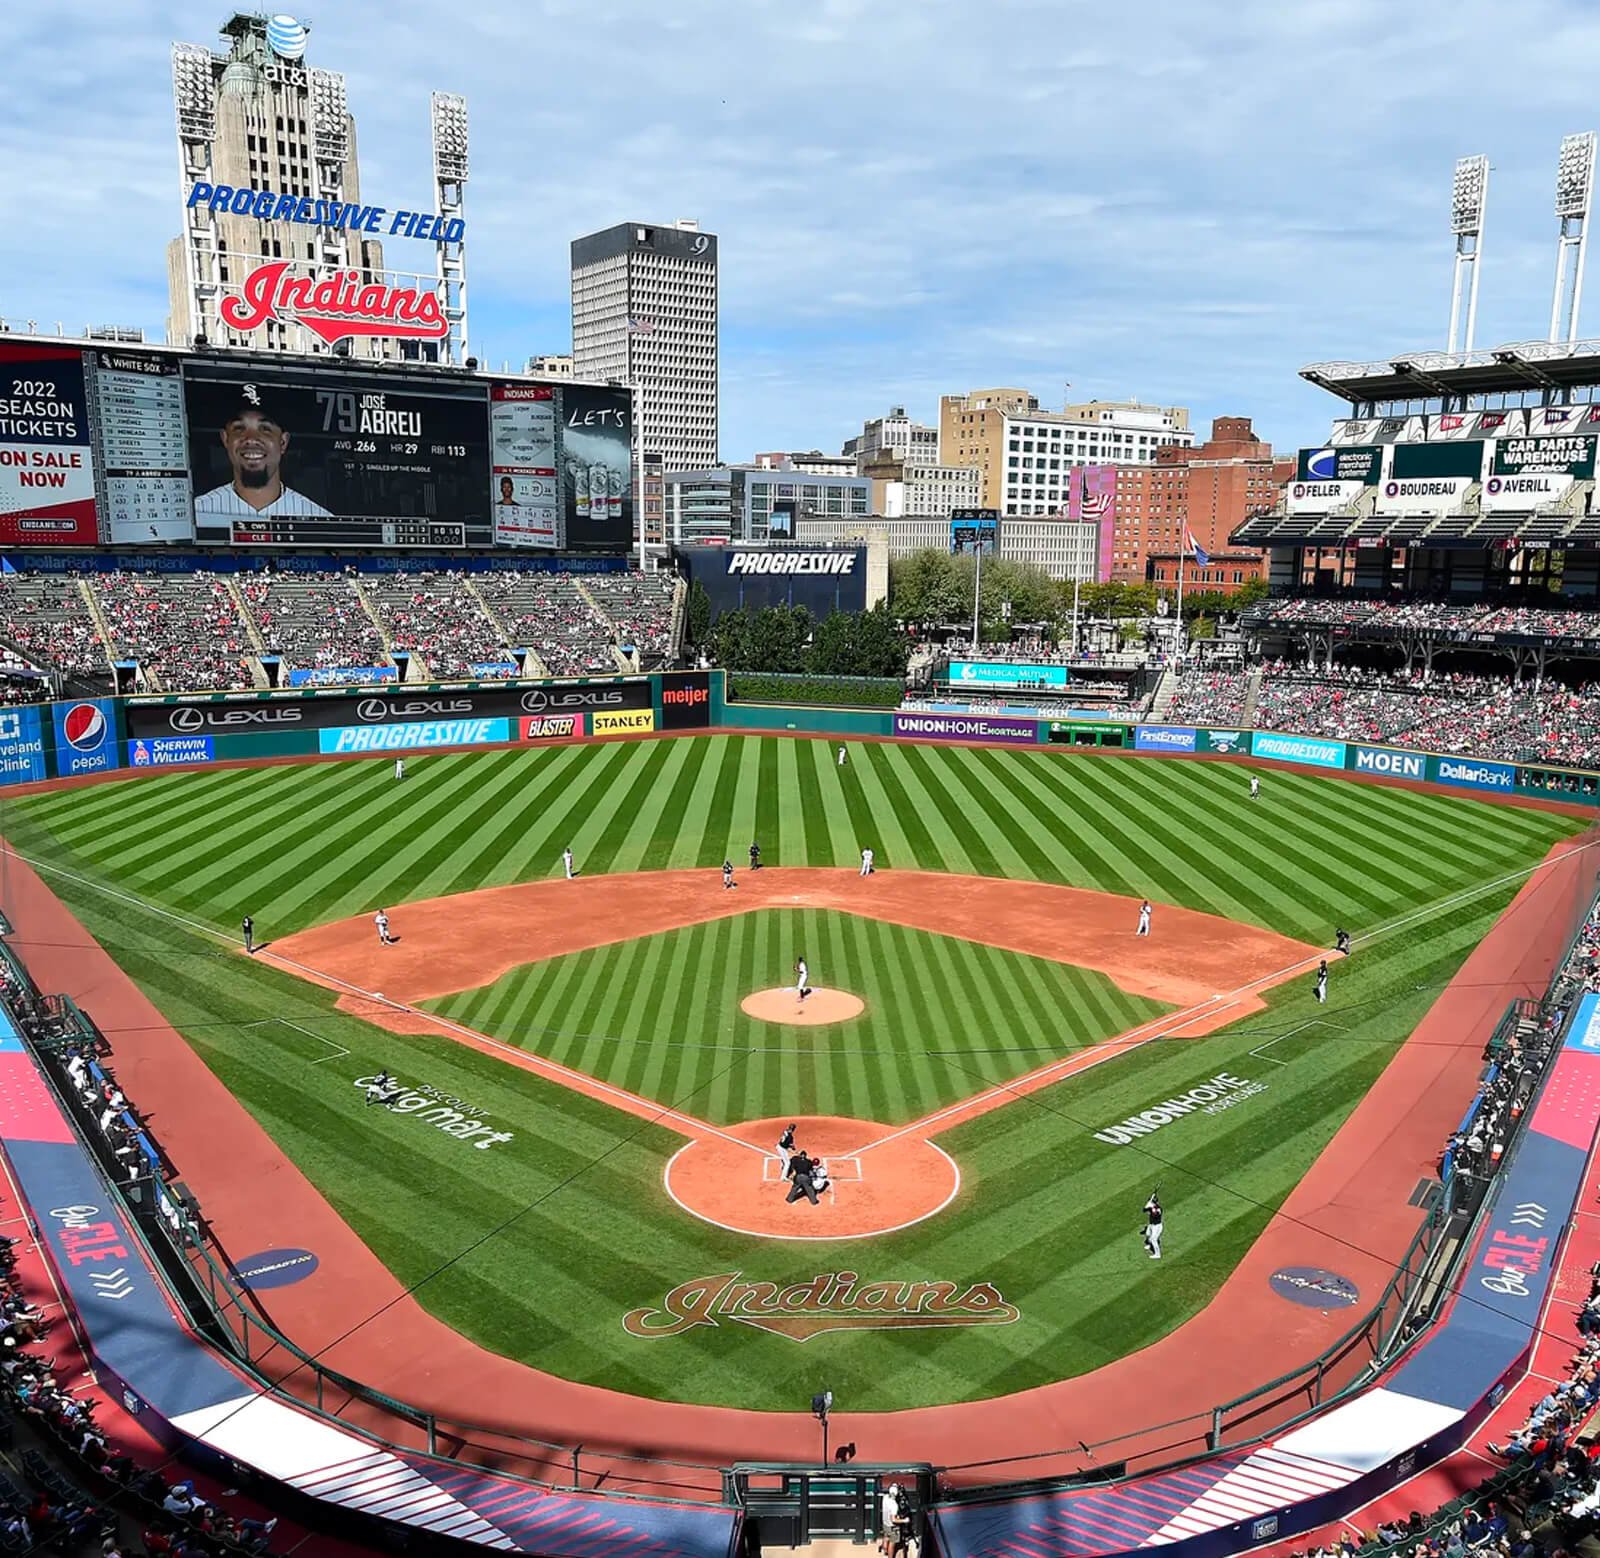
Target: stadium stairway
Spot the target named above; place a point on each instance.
(1166, 691)
(102, 627)
(535, 666)
(258, 646)
(1252, 692)
(623, 663)
(415, 669)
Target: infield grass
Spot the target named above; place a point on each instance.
(539, 1246)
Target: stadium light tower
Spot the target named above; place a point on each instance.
(1469, 199)
(1574, 191)
(450, 188)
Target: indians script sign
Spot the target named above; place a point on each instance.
(333, 307)
(833, 1301)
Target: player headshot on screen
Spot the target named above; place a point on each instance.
(255, 441)
(508, 491)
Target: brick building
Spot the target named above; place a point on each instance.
(1209, 490)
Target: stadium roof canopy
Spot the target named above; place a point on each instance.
(1550, 370)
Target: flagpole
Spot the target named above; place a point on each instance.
(1183, 552)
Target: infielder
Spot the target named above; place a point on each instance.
(802, 978)
(727, 875)
(866, 862)
(566, 862)
(1341, 942)
(1152, 1225)
(1255, 787)
(399, 768)
(1322, 983)
(1144, 919)
(381, 920)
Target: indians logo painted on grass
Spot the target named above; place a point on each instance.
(831, 1301)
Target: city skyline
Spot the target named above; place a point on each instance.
(1186, 215)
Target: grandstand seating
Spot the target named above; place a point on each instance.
(185, 630)
(640, 608)
(46, 621)
(548, 614)
(439, 617)
(313, 620)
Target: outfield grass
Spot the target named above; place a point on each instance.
(1047, 1212)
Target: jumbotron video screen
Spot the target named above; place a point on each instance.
(139, 447)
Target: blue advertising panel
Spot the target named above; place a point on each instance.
(1471, 774)
(171, 751)
(1394, 765)
(418, 733)
(1165, 738)
(1000, 673)
(975, 530)
(86, 736)
(1310, 750)
(342, 676)
(21, 745)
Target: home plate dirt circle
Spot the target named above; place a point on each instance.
(733, 1179)
(821, 1006)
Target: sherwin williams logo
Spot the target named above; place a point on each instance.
(832, 1301)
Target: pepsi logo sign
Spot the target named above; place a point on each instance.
(84, 727)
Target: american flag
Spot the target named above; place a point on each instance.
(642, 326)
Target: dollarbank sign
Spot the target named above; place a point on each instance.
(833, 1301)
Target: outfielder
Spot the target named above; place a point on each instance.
(1144, 919)
(1152, 1225)
(841, 757)
(1255, 787)
(399, 768)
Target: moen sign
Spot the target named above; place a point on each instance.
(333, 307)
(832, 1301)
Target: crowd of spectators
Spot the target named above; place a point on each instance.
(547, 613)
(314, 620)
(438, 617)
(45, 622)
(1209, 698)
(183, 629)
(1532, 621)
(639, 606)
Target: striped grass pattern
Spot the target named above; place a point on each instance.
(573, 1226)
(297, 845)
(944, 1018)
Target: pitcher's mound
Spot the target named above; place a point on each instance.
(821, 1006)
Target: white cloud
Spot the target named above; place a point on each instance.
(912, 196)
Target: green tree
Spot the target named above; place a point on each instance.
(697, 615)
(882, 649)
(928, 586)
(834, 649)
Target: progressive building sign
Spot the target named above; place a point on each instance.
(822, 579)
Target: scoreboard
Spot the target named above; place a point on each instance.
(140, 446)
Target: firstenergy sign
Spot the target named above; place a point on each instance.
(792, 562)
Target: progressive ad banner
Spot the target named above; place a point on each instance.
(1310, 750)
(966, 727)
(408, 738)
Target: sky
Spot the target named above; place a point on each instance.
(1183, 203)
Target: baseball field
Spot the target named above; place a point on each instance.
(603, 1158)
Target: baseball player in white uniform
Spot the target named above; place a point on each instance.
(399, 768)
(866, 862)
(1144, 919)
(381, 920)
(1255, 787)
(566, 862)
(1152, 1225)
(841, 757)
(802, 979)
(255, 442)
